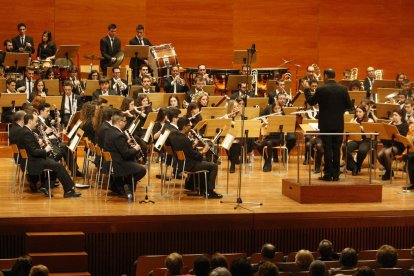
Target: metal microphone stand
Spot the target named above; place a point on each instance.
(239, 202)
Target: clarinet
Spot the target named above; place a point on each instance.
(199, 138)
(140, 152)
(54, 153)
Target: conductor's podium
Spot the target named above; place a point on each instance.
(349, 190)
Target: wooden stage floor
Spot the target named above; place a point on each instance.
(256, 186)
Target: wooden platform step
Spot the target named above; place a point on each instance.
(62, 261)
(37, 242)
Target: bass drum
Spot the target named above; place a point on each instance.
(162, 58)
(65, 66)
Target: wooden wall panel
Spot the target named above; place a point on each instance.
(200, 31)
(355, 33)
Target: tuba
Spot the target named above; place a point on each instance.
(255, 74)
(317, 72)
(378, 74)
(354, 73)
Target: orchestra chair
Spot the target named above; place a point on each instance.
(367, 255)
(181, 158)
(395, 163)
(90, 161)
(404, 263)
(98, 154)
(332, 264)
(7, 263)
(371, 263)
(108, 158)
(256, 258)
(389, 271)
(168, 151)
(404, 253)
(288, 266)
(160, 271)
(231, 257)
(23, 155)
(16, 157)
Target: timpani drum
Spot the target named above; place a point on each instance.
(162, 58)
(46, 64)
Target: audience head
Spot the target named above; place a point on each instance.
(218, 260)
(220, 271)
(174, 263)
(268, 269)
(39, 270)
(325, 250)
(201, 266)
(317, 268)
(364, 271)
(268, 251)
(349, 258)
(387, 256)
(22, 265)
(303, 259)
(241, 267)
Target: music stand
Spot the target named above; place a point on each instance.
(384, 92)
(54, 101)
(210, 89)
(252, 112)
(382, 84)
(213, 112)
(242, 56)
(16, 60)
(12, 99)
(113, 100)
(299, 100)
(67, 52)
(136, 51)
(91, 86)
(233, 81)
(357, 96)
(308, 127)
(261, 102)
(385, 110)
(52, 87)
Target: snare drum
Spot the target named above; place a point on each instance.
(35, 64)
(162, 58)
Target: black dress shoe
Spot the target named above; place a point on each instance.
(386, 175)
(335, 178)
(232, 168)
(325, 178)
(317, 170)
(275, 160)
(355, 171)
(410, 187)
(78, 174)
(44, 191)
(214, 195)
(33, 188)
(306, 162)
(267, 168)
(71, 193)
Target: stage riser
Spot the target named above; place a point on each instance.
(113, 247)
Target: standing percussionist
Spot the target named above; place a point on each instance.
(23, 43)
(110, 46)
(333, 100)
(138, 39)
(127, 171)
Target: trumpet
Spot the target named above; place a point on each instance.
(119, 85)
(179, 80)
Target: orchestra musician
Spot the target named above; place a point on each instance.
(191, 95)
(355, 85)
(10, 86)
(271, 140)
(333, 100)
(193, 114)
(146, 87)
(39, 89)
(202, 72)
(409, 111)
(174, 83)
(110, 45)
(78, 86)
(144, 72)
(174, 101)
(242, 93)
(400, 99)
(117, 84)
(233, 112)
(103, 89)
(87, 115)
(94, 75)
(46, 49)
(368, 104)
(194, 158)
(22, 42)
(346, 74)
(138, 39)
(279, 89)
(406, 88)
(8, 111)
(8, 47)
(313, 143)
(399, 79)
(202, 100)
(127, 172)
(71, 102)
(369, 80)
(49, 74)
(310, 75)
(363, 146)
(389, 150)
(38, 158)
(25, 85)
(244, 70)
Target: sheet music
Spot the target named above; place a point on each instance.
(228, 141)
(161, 140)
(314, 126)
(74, 129)
(149, 132)
(74, 143)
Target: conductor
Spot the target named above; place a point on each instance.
(333, 100)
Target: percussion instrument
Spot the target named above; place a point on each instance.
(46, 64)
(35, 64)
(266, 74)
(62, 68)
(15, 76)
(92, 57)
(119, 59)
(161, 59)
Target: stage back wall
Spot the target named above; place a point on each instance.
(341, 34)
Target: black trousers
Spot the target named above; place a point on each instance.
(332, 152)
(362, 146)
(410, 166)
(61, 174)
(212, 174)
